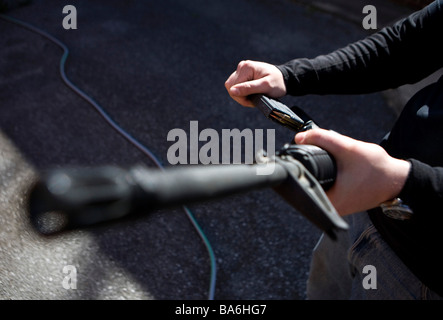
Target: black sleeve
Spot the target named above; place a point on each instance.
(417, 241)
(405, 52)
(423, 191)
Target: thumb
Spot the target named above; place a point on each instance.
(249, 87)
(326, 139)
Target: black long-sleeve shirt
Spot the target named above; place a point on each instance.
(403, 53)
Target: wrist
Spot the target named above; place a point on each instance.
(396, 178)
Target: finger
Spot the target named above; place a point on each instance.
(325, 139)
(232, 80)
(244, 72)
(250, 87)
(244, 101)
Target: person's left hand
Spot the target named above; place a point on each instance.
(366, 174)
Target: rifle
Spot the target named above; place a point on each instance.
(70, 198)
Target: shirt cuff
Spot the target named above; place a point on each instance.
(422, 189)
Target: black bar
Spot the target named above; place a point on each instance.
(184, 185)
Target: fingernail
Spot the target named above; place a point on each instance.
(234, 91)
(300, 137)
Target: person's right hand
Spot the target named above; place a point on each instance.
(253, 77)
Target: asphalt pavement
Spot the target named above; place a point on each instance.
(155, 66)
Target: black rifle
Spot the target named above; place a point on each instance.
(65, 199)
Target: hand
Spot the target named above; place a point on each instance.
(366, 174)
(255, 77)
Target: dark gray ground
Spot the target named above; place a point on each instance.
(155, 66)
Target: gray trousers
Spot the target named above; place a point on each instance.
(360, 265)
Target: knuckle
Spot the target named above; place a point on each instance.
(314, 135)
(267, 83)
(244, 64)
